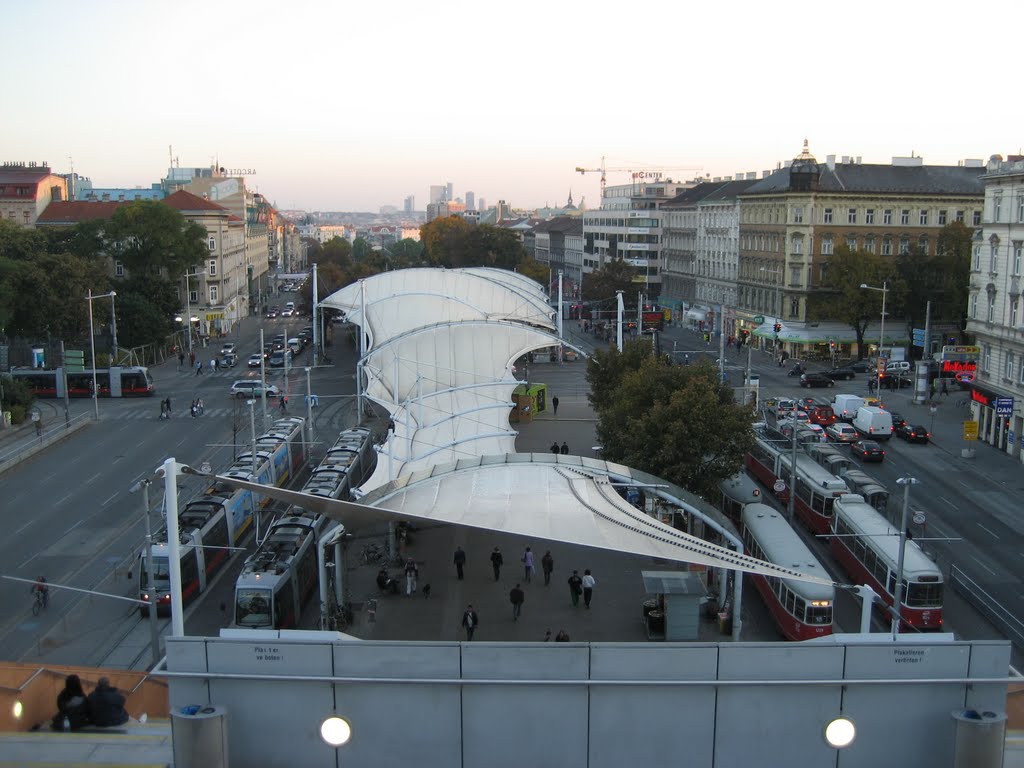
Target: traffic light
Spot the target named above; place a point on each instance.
(778, 327)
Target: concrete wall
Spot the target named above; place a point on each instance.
(502, 705)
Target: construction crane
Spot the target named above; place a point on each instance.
(639, 174)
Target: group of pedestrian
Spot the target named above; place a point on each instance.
(197, 407)
(581, 586)
(564, 449)
(103, 707)
(165, 408)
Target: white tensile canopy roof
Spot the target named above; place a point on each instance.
(512, 279)
(566, 499)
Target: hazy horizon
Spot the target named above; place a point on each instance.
(342, 108)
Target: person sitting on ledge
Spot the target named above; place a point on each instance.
(107, 705)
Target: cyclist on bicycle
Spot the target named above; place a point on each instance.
(41, 590)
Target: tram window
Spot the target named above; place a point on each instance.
(920, 595)
(881, 571)
(819, 615)
(859, 549)
(869, 560)
(890, 584)
(790, 601)
(827, 503)
(801, 609)
(818, 503)
(189, 569)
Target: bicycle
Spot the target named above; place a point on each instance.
(40, 601)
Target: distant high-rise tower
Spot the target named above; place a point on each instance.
(470, 201)
(437, 193)
(483, 205)
(449, 192)
(410, 204)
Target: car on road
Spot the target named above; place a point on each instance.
(913, 434)
(252, 388)
(781, 407)
(815, 380)
(280, 358)
(868, 450)
(271, 313)
(861, 366)
(841, 432)
(229, 360)
(844, 372)
(228, 348)
(255, 361)
(873, 401)
(897, 420)
(286, 312)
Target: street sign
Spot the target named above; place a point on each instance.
(1010, 437)
(970, 430)
(312, 400)
(759, 319)
(779, 486)
(1004, 406)
(919, 337)
(919, 517)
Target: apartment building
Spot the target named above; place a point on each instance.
(26, 189)
(994, 308)
(792, 221)
(557, 244)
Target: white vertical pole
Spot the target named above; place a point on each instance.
(316, 310)
(309, 411)
(170, 468)
(263, 377)
(619, 309)
(92, 346)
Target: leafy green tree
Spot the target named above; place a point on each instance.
(446, 241)
(86, 239)
(146, 235)
(362, 249)
(954, 246)
(534, 270)
(844, 300)
(491, 246)
(19, 243)
(49, 295)
(405, 253)
(676, 422)
(145, 310)
(615, 275)
(337, 251)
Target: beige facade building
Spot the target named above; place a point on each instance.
(793, 220)
(26, 189)
(995, 312)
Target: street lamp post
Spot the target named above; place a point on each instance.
(188, 308)
(778, 300)
(884, 290)
(92, 346)
(897, 597)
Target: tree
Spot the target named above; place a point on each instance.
(146, 235)
(954, 246)
(534, 270)
(145, 310)
(337, 251)
(676, 422)
(845, 300)
(615, 275)
(48, 295)
(361, 249)
(446, 241)
(405, 253)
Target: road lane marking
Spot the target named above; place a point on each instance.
(69, 530)
(986, 530)
(982, 565)
(63, 498)
(965, 485)
(26, 562)
(112, 497)
(26, 525)
(950, 503)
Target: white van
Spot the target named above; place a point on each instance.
(845, 406)
(873, 422)
(899, 366)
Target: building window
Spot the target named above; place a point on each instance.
(986, 358)
(993, 257)
(794, 277)
(960, 216)
(1016, 257)
(942, 218)
(991, 307)
(887, 246)
(1009, 365)
(976, 263)
(212, 268)
(904, 245)
(851, 242)
(887, 216)
(826, 216)
(213, 294)
(997, 206)
(869, 216)
(119, 269)
(798, 214)
(923, 218)
(213, 244)
(1013, 310)
(193, 297)
(922, 244)
(869, 243)
(1020, 207)
(976, 218)
(974, 307)
(826, 245)
(905, 217)
(851, 216)
(794, 308)
(798, 245)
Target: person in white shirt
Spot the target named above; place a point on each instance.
(588, 587)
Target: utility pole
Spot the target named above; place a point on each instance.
(897, 598)
(618, 313)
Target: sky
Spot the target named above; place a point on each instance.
(351, 106)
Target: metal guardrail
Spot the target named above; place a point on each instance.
(987, 605)
(49, 436)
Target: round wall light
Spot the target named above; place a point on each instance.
(335, 731)
(840, 732)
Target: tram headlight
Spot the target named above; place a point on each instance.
(840, 732)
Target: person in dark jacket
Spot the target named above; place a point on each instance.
(107, 705)
(72, 705)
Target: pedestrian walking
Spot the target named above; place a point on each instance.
(200, 408)
(528, 565)
(168, 401)
(562, 636)
(588, 587)
(554, 448)
(163, 410)
(284, 402)
(547, 635)
(496, 562)
(191, 358)
(460, 563)
(565, 448)
(516, 596)
(547, 564)
(470, 620)
(199, 367)
(213, 364)
(181, 359)
(945, 388)
(412, 573)
(575, 587)
(195, 409)
(554, 404)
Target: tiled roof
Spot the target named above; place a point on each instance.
(730, 189)
(694, 195)
(568, 225)
(186, 201)
(74, 211)
(892, 179)
(23, 176)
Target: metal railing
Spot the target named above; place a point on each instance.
(48, 436)
(987, 606)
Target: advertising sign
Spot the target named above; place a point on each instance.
(1004, 406)
(970, 430)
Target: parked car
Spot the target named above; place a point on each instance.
(252, 388)
(868, 450)
(228, 348)
(915, 434)
(255, 361)
(875, 402)
(861, 366)
(815, 380)
(845, 372)
(841, 432)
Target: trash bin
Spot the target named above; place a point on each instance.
(648, 606)
(200, 736)
(656, 623)
(725, 623)
(980, 739)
